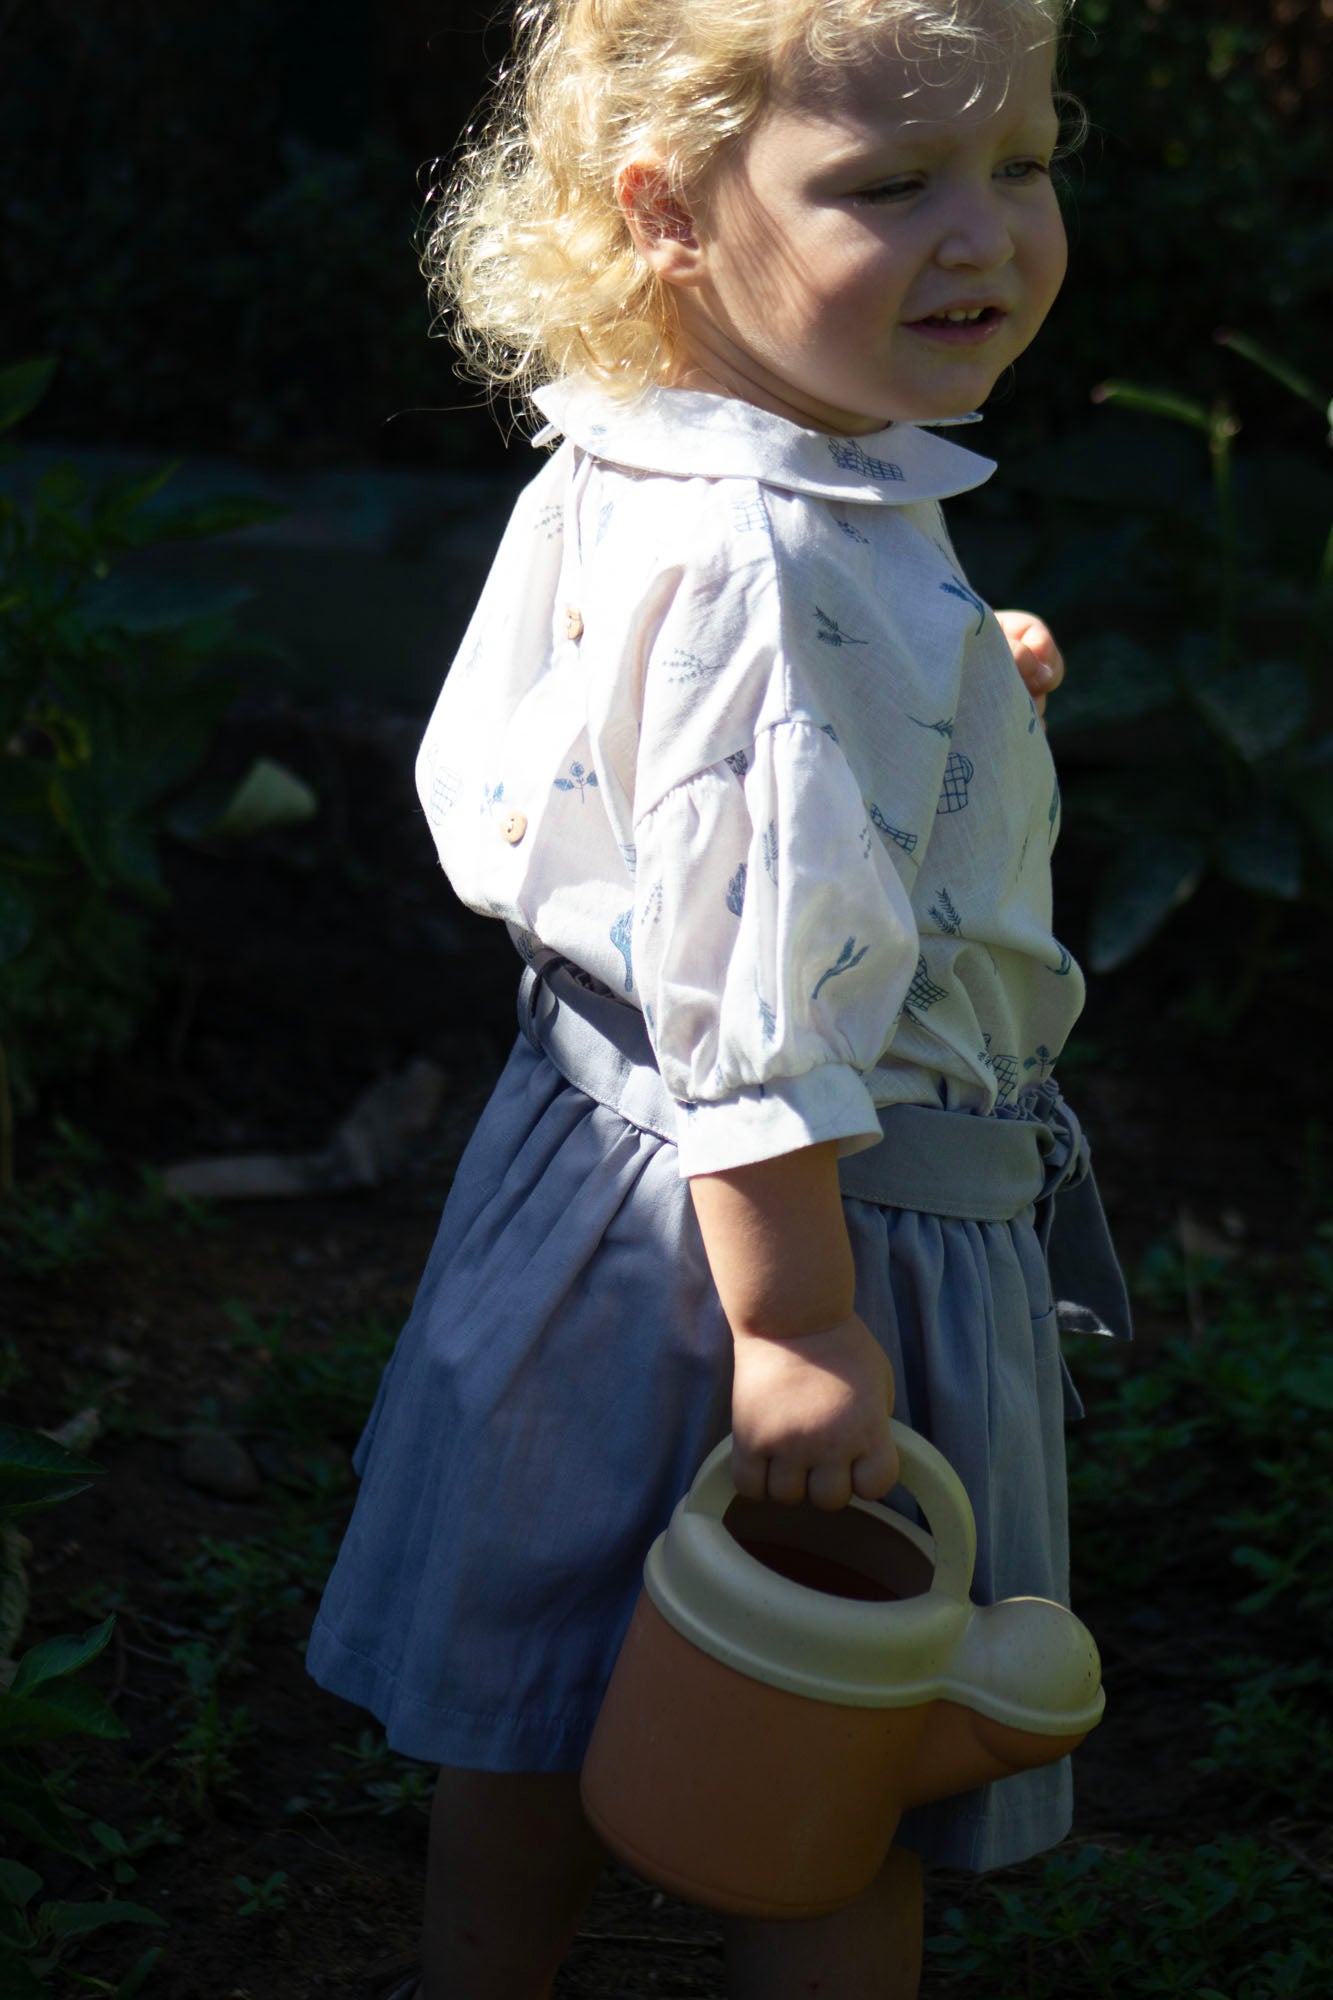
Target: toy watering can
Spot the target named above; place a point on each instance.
(792, 1680)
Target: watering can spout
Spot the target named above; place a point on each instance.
(1024, 1689)
(1031, 1665)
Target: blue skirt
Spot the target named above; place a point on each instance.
(565, 1369)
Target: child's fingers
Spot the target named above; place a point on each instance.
(749, 1471)
(875, 1473)
(782, 1477)
(830, 1486)
(1035, 676)
(786, 1480)
(1039, 661)
(1052, 662)
(807, 1412)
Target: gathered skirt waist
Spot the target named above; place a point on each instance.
(968, 1165)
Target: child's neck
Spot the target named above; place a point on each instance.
(718, 374)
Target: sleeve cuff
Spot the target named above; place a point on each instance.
(765, 1120)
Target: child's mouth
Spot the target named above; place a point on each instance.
(959, 326)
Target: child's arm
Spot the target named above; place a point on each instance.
(813, 1390)
(1040, 663)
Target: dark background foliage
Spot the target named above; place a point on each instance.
(207, 217)
(208, 214)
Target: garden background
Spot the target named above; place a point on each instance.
(223, 935)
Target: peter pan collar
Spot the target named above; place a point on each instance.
(687, 433)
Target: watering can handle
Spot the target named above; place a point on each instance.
(924, 1472)
(930, 1479)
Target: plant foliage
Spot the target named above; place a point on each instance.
(1223, 1442)
(1209, 677)
(111, 689)
(265, 298)
(47, 1702)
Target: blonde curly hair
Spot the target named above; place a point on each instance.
(530, 262)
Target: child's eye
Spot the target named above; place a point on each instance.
(1020, 173)
(895, 190)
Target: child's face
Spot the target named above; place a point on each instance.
(832, 245)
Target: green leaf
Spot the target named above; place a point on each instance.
(1257, 708)
(119, 499)
(1154, 796)
(37, 1472)
(1157, 403)
(73, 797)
(269, 795)
(25, 825)
(1311, 1386)
(158, 603)
(17, 1979)
(1151, 877)
(1261, 850)
(1312, 795)
(17, 919)
(135, 1978)
(148, 745)
(1109, 678)
(22, 387)
(64, 1708)
(67, 1920)
(133, 859)
(1272, 364)
(61, 488)
(57, 1657)
(28, 1804)
(15, 1929)
(211, 517)
(18, 1884)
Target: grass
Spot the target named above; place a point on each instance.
(68, 1214)
(1210, 1455)
(311, 1394)
(1223, 1441)
(372, 1779)
(1234, 1919)
(221, 1603)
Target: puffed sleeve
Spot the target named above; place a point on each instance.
(773, 947)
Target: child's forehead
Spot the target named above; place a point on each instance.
(902, 59)
(898, 84)
(840, 33)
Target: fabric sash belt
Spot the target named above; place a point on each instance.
(965, 1165)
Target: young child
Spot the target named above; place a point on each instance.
(745, 765)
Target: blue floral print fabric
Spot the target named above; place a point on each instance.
(730, 731)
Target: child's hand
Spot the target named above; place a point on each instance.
(1039, 660)
(810, 1417)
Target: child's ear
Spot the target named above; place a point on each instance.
(659, 222)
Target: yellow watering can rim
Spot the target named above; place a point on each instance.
(1034, 1666)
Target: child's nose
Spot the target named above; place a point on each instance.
(975, 234)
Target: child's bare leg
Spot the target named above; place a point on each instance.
(871, 1951)
(512, 1864)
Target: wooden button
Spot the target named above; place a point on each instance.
(573, 622)
(513, 827)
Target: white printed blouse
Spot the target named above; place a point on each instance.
(730, 730)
